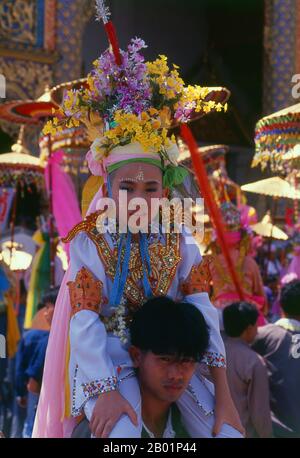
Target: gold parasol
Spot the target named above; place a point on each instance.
(30, 112)
(276, 135)
(265, 228)
(274, 186)
(209, 153)
(293, 154)
(20, 166)
(15, 259)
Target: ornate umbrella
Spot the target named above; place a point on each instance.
(265, 228)
(274, 187)
(34, 112)
(214, 160)
(210, 153)
(20, 167)
(276, 135)
(28, 111)
(293, 154)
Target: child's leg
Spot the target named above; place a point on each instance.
(196, 407)
(124, 428)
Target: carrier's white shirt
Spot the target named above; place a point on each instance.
(95, 355)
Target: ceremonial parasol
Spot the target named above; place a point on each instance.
(28, 111)
(210, 153)
(16, 259)
(22, 239)
(20, 167)
(293, 154)
(214, 160)
(291, 164)
(265, 228)
(34, 112)
(276, 135)
(274, 186)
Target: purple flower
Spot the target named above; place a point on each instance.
(183, 113)
(136, 45)
(126, 85)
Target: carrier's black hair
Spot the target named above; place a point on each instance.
(166, 327)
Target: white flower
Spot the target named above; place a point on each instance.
(173, 153)
(98, 150)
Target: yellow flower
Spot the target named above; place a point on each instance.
(144, 116)
(156, 124)
(49, 128)
(91, 83)
(153, 111)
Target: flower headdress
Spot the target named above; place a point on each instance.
(133, 102)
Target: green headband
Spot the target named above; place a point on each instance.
(147, 160)
(172, 175)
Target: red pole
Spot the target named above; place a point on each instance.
(214, 211)
(113, 40)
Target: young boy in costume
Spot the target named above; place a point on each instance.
(238, 241)
(127, 109)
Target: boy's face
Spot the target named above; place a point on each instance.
(49, 311)
(165, 377)
(139, 180)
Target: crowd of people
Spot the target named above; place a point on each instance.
(21, 375)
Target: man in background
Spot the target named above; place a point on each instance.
(279, 345)
(246, 371)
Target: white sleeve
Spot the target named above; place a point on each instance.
(190, 257)
(91, 369)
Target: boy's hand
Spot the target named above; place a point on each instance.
(108, 410)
